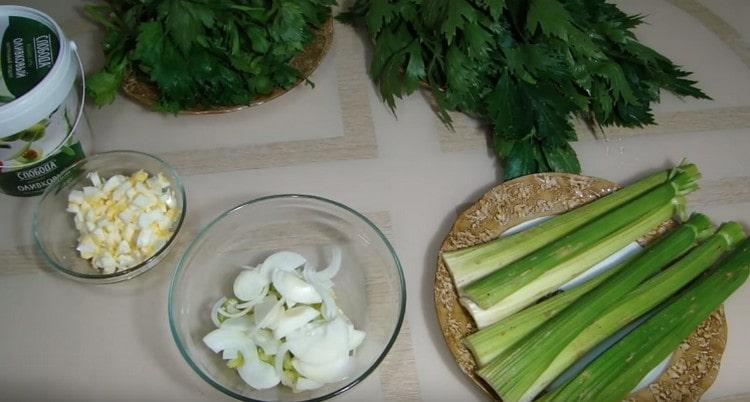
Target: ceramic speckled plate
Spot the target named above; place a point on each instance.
(693, 366)
(306, 63)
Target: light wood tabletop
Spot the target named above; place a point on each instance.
(64, 340)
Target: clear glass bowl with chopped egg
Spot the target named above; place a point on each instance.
(295, 240)
(110, 217)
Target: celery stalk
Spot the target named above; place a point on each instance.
(527, 294)
(612, 375)
(531, 290)
(582, 243)
(471, 263)
(494, 340)
(524, 372)
(491, 341)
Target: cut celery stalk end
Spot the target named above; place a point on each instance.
(469, 264)
(584, 242)
(528, 293)
(495, 339)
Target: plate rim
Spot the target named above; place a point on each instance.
(689, 381)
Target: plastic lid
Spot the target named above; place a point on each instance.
(48, 94)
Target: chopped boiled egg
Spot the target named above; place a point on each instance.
(122, 220)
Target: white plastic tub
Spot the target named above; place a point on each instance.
(42, 128)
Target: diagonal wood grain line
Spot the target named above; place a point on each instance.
(468, 135)
(396, 372)
(717, 25)
(358, 141)
(727, 191)
(733, 398)
(21, 261)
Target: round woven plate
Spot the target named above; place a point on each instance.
(695, 363)
(306, 62)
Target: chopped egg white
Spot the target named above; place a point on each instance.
(291, 331)
(122, 220)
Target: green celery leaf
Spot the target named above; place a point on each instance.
(508, 109)
(380, 12)
(415, 69)
(460, 12)
(550, 16)
(102, 86)
(561, 158)
(521, 160)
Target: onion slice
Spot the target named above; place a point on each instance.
(293, 319)
(265, 340)
(268, 311)
(324, 290)
(305, 384)
(257, 373)
(250, 285)
(228, 338)
(294, 289)
(281, 261)
(326, 372)
(320, 343)
(215, 311)
(334, 265)
(242, 323)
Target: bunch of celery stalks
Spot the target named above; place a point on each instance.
(530, 332)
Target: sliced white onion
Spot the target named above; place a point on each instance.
(320, 343)
(356, 338)
(265, 340)
(229, 353)
(281, 261)
(294, 289)
(334, 265)
(215, 311)
(239, 313)
(250, 285)
(320, 348)
(279, 360)
(268, 311)
(287, 379)
(324, 290)
(228, 338)
(257, 373)
(333, 371)
(250, 303)
(305, 384)
(243, 323)
(293, 319)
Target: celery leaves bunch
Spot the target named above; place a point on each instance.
(203, 53)
(525, 67)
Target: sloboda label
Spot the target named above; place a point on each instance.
(28, 52)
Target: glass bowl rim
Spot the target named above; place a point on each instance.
(139, 268)
(202, 233)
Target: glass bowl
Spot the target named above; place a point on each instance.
(369, 286)
(55, 234)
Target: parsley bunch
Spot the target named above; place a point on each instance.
(201, 53)
(525, 67)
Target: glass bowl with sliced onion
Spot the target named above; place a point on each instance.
(287, 298)
(109, 217)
